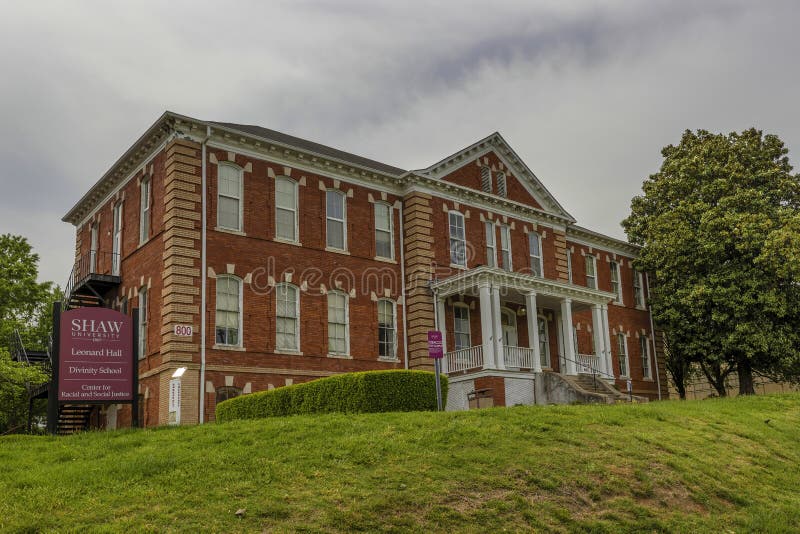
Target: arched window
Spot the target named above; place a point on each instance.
(229, 316)
(336, 219)
(229, 196)
(338, 327)
(227, 392)
(288, 317)
(387, 329)
(286, 225)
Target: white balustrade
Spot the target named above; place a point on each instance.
(465, 359)
(519, 357)
(588, 363)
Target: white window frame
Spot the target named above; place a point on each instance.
(536, 261)
(638, 289)
(93, 244)
(591, 260)
(343, 220)
(239, 199)
(393, 307)
(456, 332)
(295, 210)
(491, 244)
(143, 308)
(486, 180)
(502, 185)
(389, 230)
(505, 248)
(457, 240)
(616, 285)
(569, 266)
(345, 298)
(144, 210)
(644, 351)
(622, 355)
(296, 348)
(240, 311)
(116, 239)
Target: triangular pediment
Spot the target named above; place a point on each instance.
(495, 152)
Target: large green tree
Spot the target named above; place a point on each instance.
(711, 223)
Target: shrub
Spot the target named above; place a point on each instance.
(365, 392)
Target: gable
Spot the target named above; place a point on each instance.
(494, 154)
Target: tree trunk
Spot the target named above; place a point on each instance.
(716, 377)
(745, 372)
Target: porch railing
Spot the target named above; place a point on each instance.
(521, 357)
(464, 359)
(587, 363)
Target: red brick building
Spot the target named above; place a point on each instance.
(292, 261)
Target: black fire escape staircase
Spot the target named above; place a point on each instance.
(41, 359)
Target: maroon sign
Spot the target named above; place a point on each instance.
(435, 349)
(95, 356)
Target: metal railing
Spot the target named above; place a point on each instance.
(522, 357)
(94, 262)
(464, 359)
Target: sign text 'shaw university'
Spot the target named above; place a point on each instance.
(95, 356)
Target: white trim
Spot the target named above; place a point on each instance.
(594, 268)
(639, 304)
(345, 299)
(295, 210)
(390, 229)
(644, 341)
(240, 198)
(539, 259)
(569, 266)
(600, 245)
(463, 306)
(142, 348)
(505, 232)
(240, 334)
(343, 220)
(623, 373)
(619, 297)
(462, 239)
(116, 231)
(296, 318)
(394, 330)
(491, 230)
(144, 210)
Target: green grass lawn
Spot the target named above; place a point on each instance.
(713, 465)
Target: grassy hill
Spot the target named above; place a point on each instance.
(718, 465)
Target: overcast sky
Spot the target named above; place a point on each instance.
(587, 93)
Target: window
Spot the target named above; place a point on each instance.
(461, 327)
(387, 330)
(544, 342)
(227, 392)
(505, 246)
(337, 235)
(501, 185)
(142, 322)
(591, 276)
(458, 243)
(569, 265)
(229, 197)
(288, 315)
(384, 237)
(116, 236)
(286, 209)
(616, 286)
(486, 180)
(535, 246)
(622, 345)
(644, 350)
(491, 245)
(228, 317)
(144, 211)
(638, 294)
(337, 323)
(93, 249)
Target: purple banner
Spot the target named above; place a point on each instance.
(96, 360)
(435, 349)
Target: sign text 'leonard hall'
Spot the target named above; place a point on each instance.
(96, 359)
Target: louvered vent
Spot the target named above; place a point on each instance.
(486, 180)
(501, 184)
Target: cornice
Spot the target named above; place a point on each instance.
(588, 237)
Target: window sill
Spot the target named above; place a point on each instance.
(228, 347)
(288, 352)
(459, 267)
(640, 308)
(385, 260)
(389, 360)
(340, 356)
(143, 243)
(230, 231)
(618, 303)
(287, 242)
(337, 251)
(647, 379)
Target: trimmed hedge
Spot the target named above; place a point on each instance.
(370, 391)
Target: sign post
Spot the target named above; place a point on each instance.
(436, 351)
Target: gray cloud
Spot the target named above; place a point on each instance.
(587, 93)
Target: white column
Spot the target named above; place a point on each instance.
(497, 327)
(599, 342)
(441, 324)
(533, 330)
(569, 346)
(487, 340)
(607, 340)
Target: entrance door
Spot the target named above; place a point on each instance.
(509, 320)
(544, 342)
(117, 239)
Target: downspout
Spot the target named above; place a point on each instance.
(403, 289)
(653, 335)
(203, 273)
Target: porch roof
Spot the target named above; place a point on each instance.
(468, 281)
